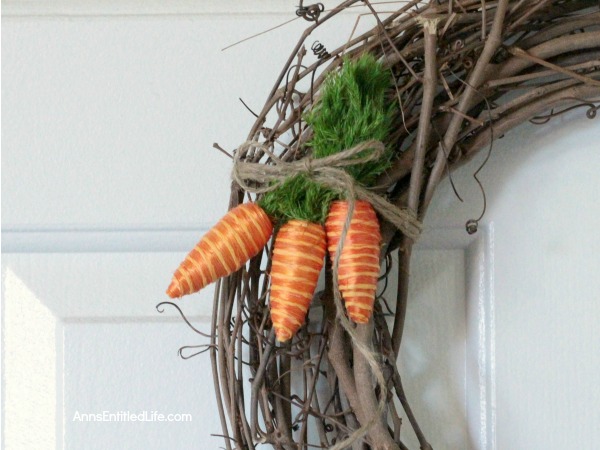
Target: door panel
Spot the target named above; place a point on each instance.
(86, 327)
(82, 337)
(542, 219)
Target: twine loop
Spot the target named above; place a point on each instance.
(328, 171)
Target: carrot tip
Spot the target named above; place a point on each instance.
(282, 335)
(174, 290)
(358, 318)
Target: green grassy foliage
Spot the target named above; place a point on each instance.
(298, 198)
(352, 109)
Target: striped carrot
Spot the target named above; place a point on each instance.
(358, 268)
(295, 267)
(226, 247)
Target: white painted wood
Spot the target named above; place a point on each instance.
(30, 338)
(542, 191)
(95, 8)
(112, 240)
(480, 381)
(111, 120)
(37, 8)
(133, 367)
(78, 343)
(121, 285)
(109, 350)
(433, 360)
(142, 7)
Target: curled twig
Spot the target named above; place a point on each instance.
(590, 113)
(160, 309)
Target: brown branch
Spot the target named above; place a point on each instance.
(311, 396)
(338, 352)
(561, 29)
(284, 410)
(257, 383)
(366, 394)
(215, 372)
(423, 133)
(337, 358)
(555, 100)
(547, 50)
(530, 95)
(387, 37)
(404, 257)
(530, 11)
(474, 80)
(540, 74)
(223, 342)
(520, 53)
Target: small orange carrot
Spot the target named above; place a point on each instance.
(296, 264)
(358, 269)
(226, 247)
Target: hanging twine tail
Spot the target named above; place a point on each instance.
(329, 171)
(365, 350)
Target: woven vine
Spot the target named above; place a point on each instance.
(465, 73)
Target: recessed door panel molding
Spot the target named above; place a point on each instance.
(110, 350)
(85, 349)
(75, 240)
(481, 340)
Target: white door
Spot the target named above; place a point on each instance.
(109, 177)
(531, 292)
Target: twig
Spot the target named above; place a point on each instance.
(548, 49)
(423, 133)
(366, 395)
(523, 54)
(404, 257)
(557, 99)
(474, 80)
(530, 11)
(540, 74)
(213, 360)
(257, 383)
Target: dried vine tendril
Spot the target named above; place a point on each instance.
(310, 13)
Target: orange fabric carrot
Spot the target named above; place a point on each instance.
(358, 269)
(226, 247)
(296, 264)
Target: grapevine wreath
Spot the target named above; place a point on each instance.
(338, 171)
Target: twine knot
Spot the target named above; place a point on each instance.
(308, 166)
(328, 171)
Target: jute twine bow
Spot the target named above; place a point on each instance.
(328, 171)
